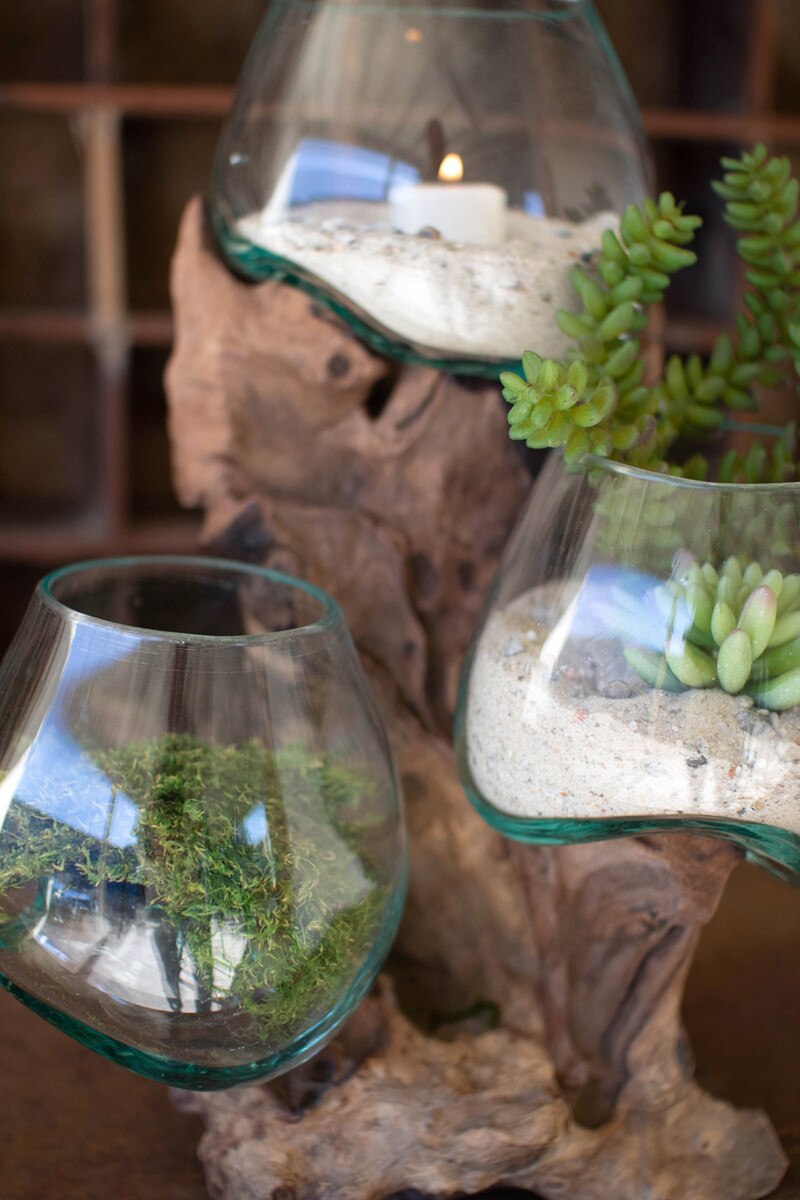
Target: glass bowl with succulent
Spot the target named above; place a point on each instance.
(202, 856)
(637, 666)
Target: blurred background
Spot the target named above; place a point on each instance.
(109, 115)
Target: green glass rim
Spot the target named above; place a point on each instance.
(768, 846)
(624, 471)
(765, 845)
(181, 1074)
(254, 265)
(330, 619)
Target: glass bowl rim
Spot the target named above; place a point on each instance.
(453, 8)
(330, 618)
(624, 470)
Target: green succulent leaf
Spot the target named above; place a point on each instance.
(653, 669)
(734, 662)
(723, 621)
(715, 629)
(786, 629)
(636, 420)
(778, 694)
(691, 665)
(779, 660)
(757, 618)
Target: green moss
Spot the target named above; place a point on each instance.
(305, 895)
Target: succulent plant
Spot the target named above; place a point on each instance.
(601, 400)
(733, 626)
(736, 628)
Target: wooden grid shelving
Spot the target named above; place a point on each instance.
(696, 107)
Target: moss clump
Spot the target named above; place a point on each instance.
(272, 849)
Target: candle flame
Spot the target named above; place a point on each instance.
(452, 169)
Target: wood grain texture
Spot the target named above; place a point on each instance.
(80, 1128)
(395, 488)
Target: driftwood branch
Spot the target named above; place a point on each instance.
(395, 488)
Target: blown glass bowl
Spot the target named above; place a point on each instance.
(202, 855)
(430, 170)
(637, 667)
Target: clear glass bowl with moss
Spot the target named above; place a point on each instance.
(202, 853)
(637, 667)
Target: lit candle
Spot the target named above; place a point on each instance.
(460, 212)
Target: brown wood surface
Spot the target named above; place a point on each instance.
(395, 488)
(76, 1127)
(181, 101)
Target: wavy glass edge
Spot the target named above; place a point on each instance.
(777, 850)
(329, 619)
(256, 265)
(770, 846)
(189, 1077)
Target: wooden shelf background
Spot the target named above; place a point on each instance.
(110, 114)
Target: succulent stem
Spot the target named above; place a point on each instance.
(600, 402)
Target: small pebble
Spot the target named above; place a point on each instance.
(531, 635)
(615, 689)
(513, 646)
(745, 701)
(634, 726)
(749, 723)
(775, 721)
(696, 760)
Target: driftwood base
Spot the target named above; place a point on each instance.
(386, 1109)
(395, 488)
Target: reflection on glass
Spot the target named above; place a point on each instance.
(598, 700)
(431, 171)
(201, 851)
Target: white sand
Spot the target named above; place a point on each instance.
(478, 301)
(542, 746)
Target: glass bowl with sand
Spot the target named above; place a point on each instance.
(637, 667)
(202, 857)
(431, 171)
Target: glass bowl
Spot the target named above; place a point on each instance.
(637, 666)
(431, 171)
(202, 854)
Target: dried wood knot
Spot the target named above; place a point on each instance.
(338, 366)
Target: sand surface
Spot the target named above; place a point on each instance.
(490, 301)
(575, 733)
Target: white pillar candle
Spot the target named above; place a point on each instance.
(461, 212)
